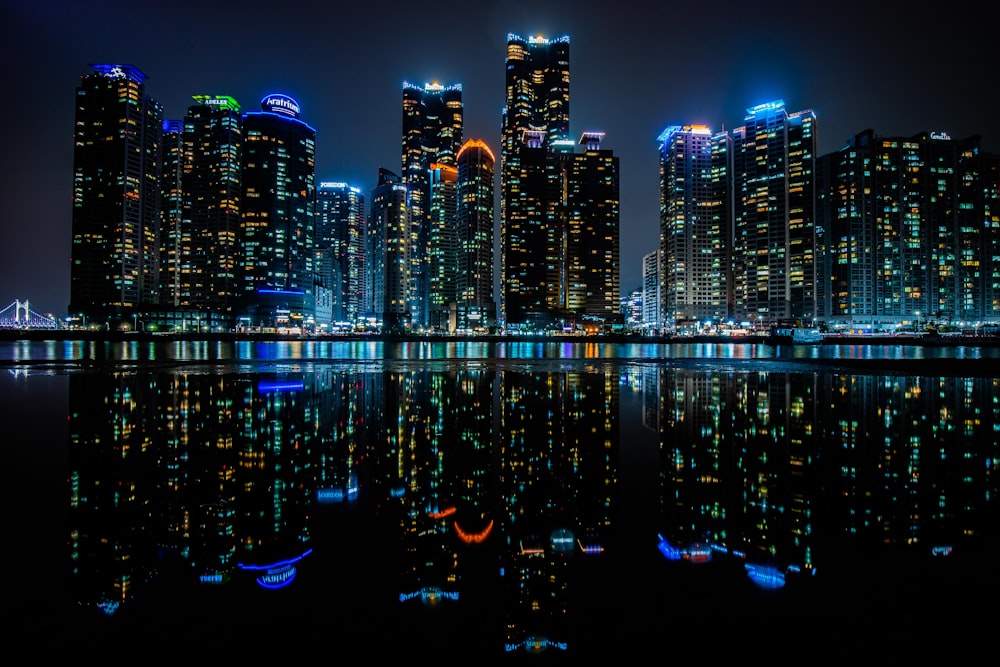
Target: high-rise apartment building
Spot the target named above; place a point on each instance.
(116, 196)
(278, 211)
(561, 237)
(774, 258)
(443, 248)
(432, 135)
(536, 102)
(211, 179)
(388, 251)
(340, 247)
(694, 225)
(175, 236)
(559, 209)
(652, 288)
(537, 95)
(474, 282)
(591, 211)
(909, 229)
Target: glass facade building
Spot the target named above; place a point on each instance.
(389, 247)
(694, 225)
(278, 216)
(340, 247)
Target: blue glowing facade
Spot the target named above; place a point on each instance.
(278, 214)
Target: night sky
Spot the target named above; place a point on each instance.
(899, 68)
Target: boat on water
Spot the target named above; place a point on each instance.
(795, 336)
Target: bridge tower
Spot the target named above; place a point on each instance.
(20, 306)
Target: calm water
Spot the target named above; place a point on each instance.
(502, 502)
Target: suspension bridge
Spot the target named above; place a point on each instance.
(19, 315)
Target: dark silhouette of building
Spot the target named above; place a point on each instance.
(116, 196)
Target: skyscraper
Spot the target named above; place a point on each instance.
(116, 195)
(278, 210)
(774, 158)
(694, 225)
(560, 238)
(537, 95)
(213, 146)
(388, 248)
(559, 209)
(474, 221)
(443, 248)
(536, 102)
(591, 210)
(432, 134)
(652, 289)
(175, 236)
(340, 247)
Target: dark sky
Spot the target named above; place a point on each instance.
(899, 68)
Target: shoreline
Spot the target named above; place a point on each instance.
(66, 335)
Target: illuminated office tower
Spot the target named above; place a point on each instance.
(116, 196)
(652, 286)
(537, 94)
(910, 231)
(774, 156)
(432, 134)
(213, 145)
(388, 248)
(474, 282)
(443, 256)
(340, 247)
(560, 237)
(174, 235)
(278, 213)
(536, 101)
(694, 225)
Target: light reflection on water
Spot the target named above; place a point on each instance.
(302, 350)
(730, 463)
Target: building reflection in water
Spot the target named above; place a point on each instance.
(499, 487)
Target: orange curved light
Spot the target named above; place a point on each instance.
(448, 511)
(475, 143)
(473, 538)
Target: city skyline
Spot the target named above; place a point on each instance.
(624, 83)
